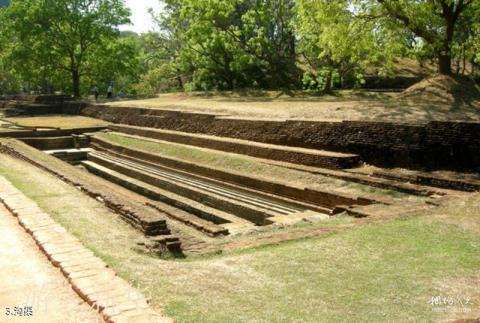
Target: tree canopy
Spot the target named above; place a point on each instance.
(438, 22)
(77, 37)
(73, 45)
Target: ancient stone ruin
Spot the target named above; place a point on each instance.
(184, 206)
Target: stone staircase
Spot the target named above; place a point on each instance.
(303, 156)
(213, 201)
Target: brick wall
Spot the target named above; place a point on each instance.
(434, 145)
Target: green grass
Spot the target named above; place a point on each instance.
(375, 273)
(245, 165)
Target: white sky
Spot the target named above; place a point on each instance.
(141, 20)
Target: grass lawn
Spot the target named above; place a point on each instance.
(58, 121)
(246, 165)
(375, 273)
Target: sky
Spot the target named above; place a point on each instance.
(141, 20)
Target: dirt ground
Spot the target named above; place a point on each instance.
(28, 279)
(346, 105)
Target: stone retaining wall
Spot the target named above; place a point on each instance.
(433, 145)
(302, 156)
(45, 133)
(327, 199)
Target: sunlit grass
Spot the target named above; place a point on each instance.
(375, 273)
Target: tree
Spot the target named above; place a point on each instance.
(116, 62)
(337, 37)
(61, 36)
(435, 21)
(233, 44)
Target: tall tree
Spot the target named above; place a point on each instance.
(235, 43)
(435, 21)
(64, 34)
(338, 37)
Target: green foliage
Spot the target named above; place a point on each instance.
(9, 83)
(162, 77)
(116, 61)
(445, 26)
(59, 39)
(74, 45)
(336, 37)
(231, 44)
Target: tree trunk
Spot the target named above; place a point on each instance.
(445, 64)
(445, 53)
(76, 83)
(179, 79)
(328, 82)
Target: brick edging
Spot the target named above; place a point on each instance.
(88, 275)
(148, 224)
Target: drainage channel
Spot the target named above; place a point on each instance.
(222, 203)
(252, 206)
(236, 195)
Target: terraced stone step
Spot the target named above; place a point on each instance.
(353, 175)
(196, 190)
(47, 132)
(313, 198)
(304, 156)
(50, 143)
(204, 218)
(255, 194)
(253, 207)
(16, 108)
(420, 178)
(73, 156)
(59, 142)
(148, 221)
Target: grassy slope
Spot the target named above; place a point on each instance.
(246, 165)
(385, 272)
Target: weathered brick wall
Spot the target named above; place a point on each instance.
(434, 145)
(39, 105)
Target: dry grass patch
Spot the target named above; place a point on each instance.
(443, 89)
(58, 121)
(345, 105)
(457, 296)
(463, 213)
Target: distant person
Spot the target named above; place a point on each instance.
(110, 91)
(96, 93)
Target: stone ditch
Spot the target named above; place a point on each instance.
(326, 199)
(221, 203)
(152, 224)
(254, 206)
